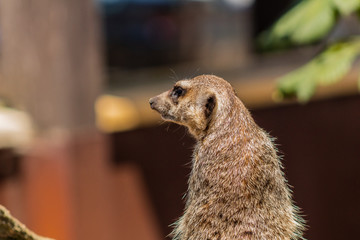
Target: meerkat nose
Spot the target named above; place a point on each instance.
(152, 102)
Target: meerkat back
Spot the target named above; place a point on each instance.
(237, 189)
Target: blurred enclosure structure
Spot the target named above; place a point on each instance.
(94, 162)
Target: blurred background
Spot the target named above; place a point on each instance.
(82, 156)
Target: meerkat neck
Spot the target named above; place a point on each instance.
(232, 124)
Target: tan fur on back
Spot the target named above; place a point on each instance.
(237, 189)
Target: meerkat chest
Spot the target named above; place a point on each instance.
(214, 176)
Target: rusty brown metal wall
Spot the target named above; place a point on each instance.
(67, 188)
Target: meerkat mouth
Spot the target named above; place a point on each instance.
(166, 116)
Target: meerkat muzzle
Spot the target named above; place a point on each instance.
(152, 102)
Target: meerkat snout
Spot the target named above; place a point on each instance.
(152, 102)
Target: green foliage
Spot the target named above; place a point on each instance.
(308, 22)
(345, 7)
(325, 69)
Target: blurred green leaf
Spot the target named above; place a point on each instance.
(306, 22)
(306, 90)
(345, 7)
(336, 61)
(327, 68)
(298, 83)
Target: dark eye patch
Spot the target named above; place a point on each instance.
(177, 92)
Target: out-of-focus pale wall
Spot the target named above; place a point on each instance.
(50, 59)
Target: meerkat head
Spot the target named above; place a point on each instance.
(192, 102)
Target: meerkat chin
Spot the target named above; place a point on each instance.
(237, 189)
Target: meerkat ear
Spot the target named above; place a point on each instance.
(210, 105)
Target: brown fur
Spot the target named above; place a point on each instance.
(236, 187)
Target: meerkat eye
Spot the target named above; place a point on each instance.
(177, 92)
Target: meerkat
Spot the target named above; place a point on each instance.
(236, 188)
